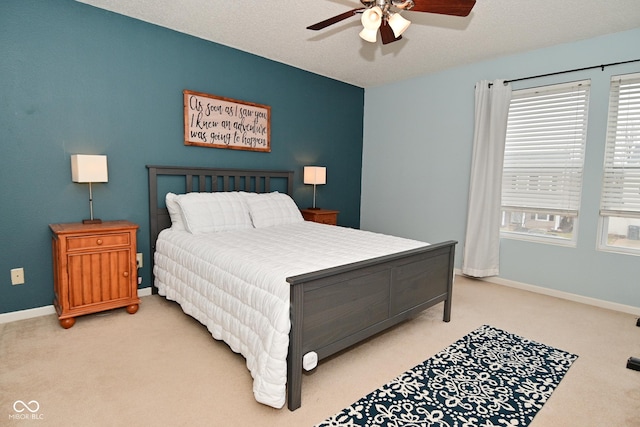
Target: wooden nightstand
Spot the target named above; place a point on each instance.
(94, 268)
(323, 216)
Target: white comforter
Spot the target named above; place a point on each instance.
(234, 283)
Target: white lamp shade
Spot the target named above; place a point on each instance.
(398, 24)
(315, 175)
(368, 35)
(372, 18)
(89, 168)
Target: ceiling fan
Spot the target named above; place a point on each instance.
(381, 15)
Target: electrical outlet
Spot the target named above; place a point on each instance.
(139, 259)
(17, 276)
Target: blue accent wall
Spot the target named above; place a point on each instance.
(75, 79)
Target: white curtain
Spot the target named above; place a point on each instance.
(481, 256)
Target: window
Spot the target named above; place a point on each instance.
(543, 162)
(620, 200)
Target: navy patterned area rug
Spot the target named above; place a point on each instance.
(488, 378)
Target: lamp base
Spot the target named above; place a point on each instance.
(92, 221)
(314, 209)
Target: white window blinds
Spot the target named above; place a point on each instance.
(544, 151)
(621, 186)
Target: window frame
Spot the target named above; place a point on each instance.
(610, 190)
(556, 141)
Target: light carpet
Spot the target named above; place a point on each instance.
(160, 367)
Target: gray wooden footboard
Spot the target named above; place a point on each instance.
(335, 308)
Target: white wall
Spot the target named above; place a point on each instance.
(417, 154)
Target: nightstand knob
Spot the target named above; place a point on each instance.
(125, 274)
(99, 241)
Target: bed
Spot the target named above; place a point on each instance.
(312, 308)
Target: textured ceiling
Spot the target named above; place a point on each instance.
(277, 30)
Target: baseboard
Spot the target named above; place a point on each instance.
(27, 314)
(46, 310)
(560, 294)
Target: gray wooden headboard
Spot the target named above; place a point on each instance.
(203, 179)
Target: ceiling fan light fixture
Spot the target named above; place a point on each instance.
(380, 16)
(368, 35)
(372, 18)
(398, 24)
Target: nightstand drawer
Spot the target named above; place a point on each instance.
(98, 241)
(322, 216)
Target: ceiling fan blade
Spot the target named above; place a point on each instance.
(386, 33)
(334, 20)
(444, 7)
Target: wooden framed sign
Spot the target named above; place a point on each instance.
(213, 121)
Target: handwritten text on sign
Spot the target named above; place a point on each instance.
(212, 121)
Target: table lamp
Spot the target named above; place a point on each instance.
(316, 175)
(89, 169)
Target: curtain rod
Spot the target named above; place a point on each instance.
(570, 71)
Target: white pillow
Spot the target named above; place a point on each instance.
(171, 201)
(212, 212)
(271, 209)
